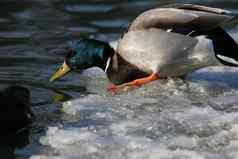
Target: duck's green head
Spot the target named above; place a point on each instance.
(84, 54)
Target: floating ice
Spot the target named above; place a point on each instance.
(224, 102)
(167, 119)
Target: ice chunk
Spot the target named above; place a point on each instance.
(167, 119)
(224, 102)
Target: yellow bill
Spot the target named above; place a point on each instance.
(60, 72)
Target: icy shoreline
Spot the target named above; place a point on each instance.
(194, 119)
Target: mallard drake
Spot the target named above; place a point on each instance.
(162, 42)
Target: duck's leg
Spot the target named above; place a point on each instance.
(135, 83)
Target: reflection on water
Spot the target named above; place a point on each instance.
(33, 35)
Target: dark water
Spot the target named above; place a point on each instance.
(33, 35)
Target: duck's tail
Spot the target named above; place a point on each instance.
(225, 42)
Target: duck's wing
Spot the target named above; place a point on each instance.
(198, 8)
(194, 17)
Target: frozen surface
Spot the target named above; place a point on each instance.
(195, 118)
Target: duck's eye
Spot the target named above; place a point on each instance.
(70, 53)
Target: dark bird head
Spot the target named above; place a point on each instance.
(84, 54)
(16, 110)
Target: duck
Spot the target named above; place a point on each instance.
(170, 41)
(16, 113)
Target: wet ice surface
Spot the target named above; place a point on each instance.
(194, 119)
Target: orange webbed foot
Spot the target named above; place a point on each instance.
(114, 89)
